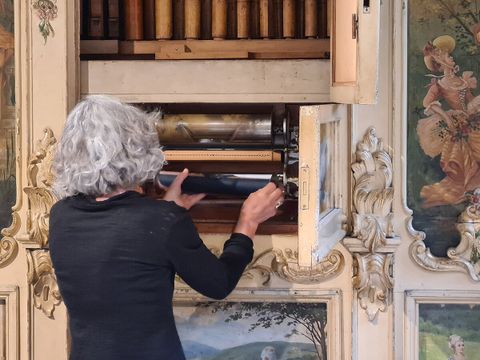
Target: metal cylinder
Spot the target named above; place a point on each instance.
(219, 19)
(215, 130)
(220, 185)
(192, 19)
(164, 19)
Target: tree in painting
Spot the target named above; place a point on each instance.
(461, 17)
(307, 320)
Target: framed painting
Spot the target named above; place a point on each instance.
(443, 135)
(442, 325)
(7, 113)
(260, 324)
(9, 331)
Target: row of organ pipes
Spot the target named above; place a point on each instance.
(246, 10)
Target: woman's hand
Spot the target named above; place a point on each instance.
(174, 192)
(258, 207)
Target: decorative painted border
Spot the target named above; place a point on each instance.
(333, 299)
(47, 11)
(10, 296)
(415, 297)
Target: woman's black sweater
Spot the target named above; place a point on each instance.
(115, 262)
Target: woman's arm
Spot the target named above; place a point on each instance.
(199, 267)
(195, 264)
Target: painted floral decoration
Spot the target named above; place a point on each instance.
(46, 10)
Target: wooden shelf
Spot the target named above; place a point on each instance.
(211, 49)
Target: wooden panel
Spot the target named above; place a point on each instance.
(295, 45)
(241, 81)
(355, 60)
(319, 229)
(344, 46)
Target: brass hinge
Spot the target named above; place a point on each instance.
(354, 26)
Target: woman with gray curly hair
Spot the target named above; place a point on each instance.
(116, 251)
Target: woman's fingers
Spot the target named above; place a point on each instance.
(190, 200)
(177, 183)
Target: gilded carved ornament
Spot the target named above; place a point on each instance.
(46, 11)
(41, 275)
(45, 292)
(373, 244)
(465, 257)
(39, 193)
(284, 265)
(8, 244)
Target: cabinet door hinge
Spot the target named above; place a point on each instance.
(354, 26)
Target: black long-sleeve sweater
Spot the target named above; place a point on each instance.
(115, 262)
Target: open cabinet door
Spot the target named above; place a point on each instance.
(321, 180)
(355, 51)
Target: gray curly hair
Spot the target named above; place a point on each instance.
(106, 145)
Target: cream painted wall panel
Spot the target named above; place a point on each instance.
(49, 336)
(212, 81)
(374, 339)
(49, 81)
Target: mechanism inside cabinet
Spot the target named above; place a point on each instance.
(237, 148)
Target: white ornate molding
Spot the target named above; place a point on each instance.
(372, 241)
(373, 281)
(465, 257)
(39, 194)
(284, 265)
(8, 244)
(372, 192)
(41, 277)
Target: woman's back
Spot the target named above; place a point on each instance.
(115, 275)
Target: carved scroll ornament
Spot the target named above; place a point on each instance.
(8, 244)
(372, 225)
(284, 265)
(41, 277)
(373, 281)
(372, 192)
(39, 193)
(465, 257)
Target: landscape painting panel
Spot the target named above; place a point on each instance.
(7, 114)
(449, 331)
(443, 115)
(252, 330)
